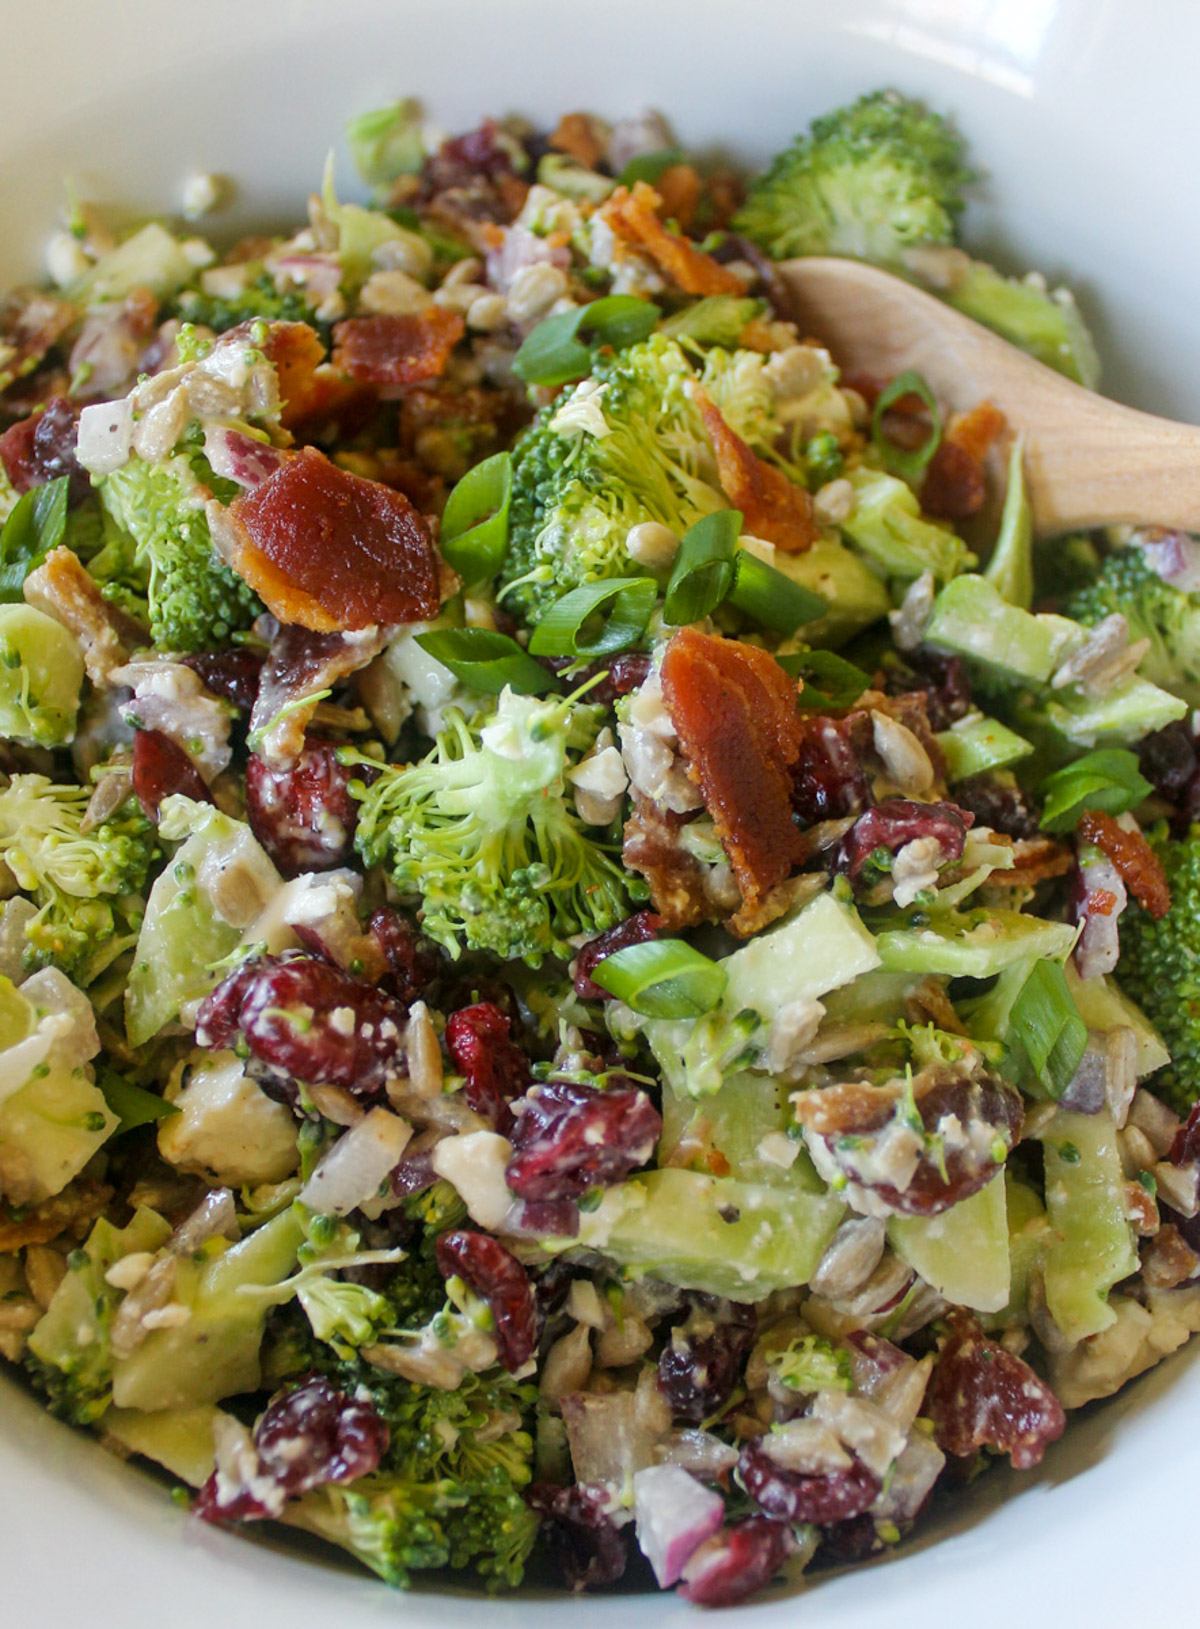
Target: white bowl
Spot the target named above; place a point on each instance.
(1086, 118)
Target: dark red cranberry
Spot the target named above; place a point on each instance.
(304, 816)
(1000, 804)
(414, 1174)
(848, 1542)
(740, 1561)
(307, 1022)
(635, 930)
(590, 1549)
(570, 1138)
(946, 687)
(791, 1496)
(496, 1275)
(897, 821)
(479, 1040)
(980, 1395)
(161, 768)
(232, 675)
(1185, 1149)
(42, 449)
(307, 1437)
(702, 1362)
(412, 961)
(828, 780)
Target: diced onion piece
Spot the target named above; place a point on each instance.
(357, 1164)
(674, 1514)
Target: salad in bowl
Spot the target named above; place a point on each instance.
(598, 958)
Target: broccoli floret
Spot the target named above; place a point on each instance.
(576, 493)
(1155, 610)
(41, 674)
(195, 602)
(813, 1364)
(258, 299)
(88, 885)
(484, 832)
(1160, 967)
(448, 1491)
(870, 180)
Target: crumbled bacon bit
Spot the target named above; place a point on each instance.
(63, 590)
(633, 219)
(391, 350)
(772, 508)
(653, 849)
(1034, 860)
(954, 485)
(734, 710)
(1140, 868)
(577, 135)
(299, 666)
(332, 551)
(976, 431)
(680, 189)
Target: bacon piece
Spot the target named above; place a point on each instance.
(30, 323)
(680, 189)
(653, 849)
(393, 350)
(300, 667)
(580, 136)
(772, 508)
(954, 486)
(71, 1211)
(63, 590)
(633, 219)
(1140, 867)
(734, 710)
(330, 550)
(976, 431)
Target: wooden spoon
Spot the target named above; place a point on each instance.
(1088, 461)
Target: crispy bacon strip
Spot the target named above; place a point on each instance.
(63, 590)
(329, 550)
(397, 350)
(633, 219)
(734, 709)
(1140, 867)
(772, 508)
(1034, 859)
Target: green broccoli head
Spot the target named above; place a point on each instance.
(1155, 610)
(483, 831)
(870, 181)
(258, 299)
(1160, 967)
(88, 885)
(194, 601)
(627, 445)
(448, 1492)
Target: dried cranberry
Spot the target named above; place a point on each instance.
(827, 777)
(946, 687)
(844, 1543)
(897, 821)
(841, 1125)
(306, 1021)
(161, 768)
(591, 1550)
(480, 1042)
(702, 1362)
(980, 1395)
(42, 449)
(307, 1437)
(496, 1275)
(412, 961)
(791, 1496)
(1000, 804)
(483, 150)
(414, 1174)
(232, 675)
(1185, 1149)
(570, 1138)
(623, 675)
(635, 930)
(304, 815)
(741, 1560)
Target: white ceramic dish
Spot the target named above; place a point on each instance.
(1085, 114)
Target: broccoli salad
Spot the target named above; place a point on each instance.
(598, 962)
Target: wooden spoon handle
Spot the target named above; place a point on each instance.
(1089, 461)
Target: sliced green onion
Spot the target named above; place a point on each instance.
(770, 597)
(554, 354)
(829, 679)
(474, 537)
(665, 978)
(133, 1105)
(486, 660)
(908, 462)
(35, 525)
(1109, 780)
(649, 166)
(703, 571)
(1046, 1022)
(628, 602)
